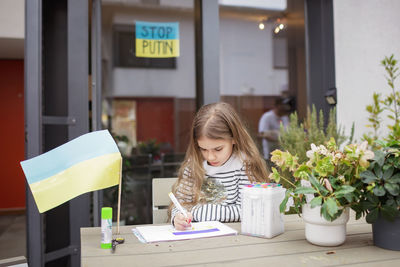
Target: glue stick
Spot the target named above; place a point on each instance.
(106, 227)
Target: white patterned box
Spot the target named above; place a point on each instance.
(260, 210)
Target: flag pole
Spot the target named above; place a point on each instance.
(119, 197)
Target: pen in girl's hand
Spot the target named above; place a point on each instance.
(178, 206)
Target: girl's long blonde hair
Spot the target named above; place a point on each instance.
(219, 121)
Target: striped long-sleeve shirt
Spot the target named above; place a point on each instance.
(220, 197)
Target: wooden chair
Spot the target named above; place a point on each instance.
(161, 200)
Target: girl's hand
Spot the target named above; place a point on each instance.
(180, 221)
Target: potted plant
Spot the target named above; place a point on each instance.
(150, 147)
(299, 135)
(324, 187)
(380, 200)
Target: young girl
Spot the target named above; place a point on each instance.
(220, 160)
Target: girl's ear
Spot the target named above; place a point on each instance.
(233, 142)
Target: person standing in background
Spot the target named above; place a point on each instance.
(269, 126)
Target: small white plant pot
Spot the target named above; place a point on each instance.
(322, 232)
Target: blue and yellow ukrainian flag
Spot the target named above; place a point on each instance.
(87, 163)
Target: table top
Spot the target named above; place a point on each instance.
(287, 249)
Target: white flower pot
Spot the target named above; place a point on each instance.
(322, 232)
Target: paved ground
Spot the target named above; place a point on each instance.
(12, 236)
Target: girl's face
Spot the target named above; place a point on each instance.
(215, 151)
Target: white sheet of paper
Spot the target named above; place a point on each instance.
(199, 230)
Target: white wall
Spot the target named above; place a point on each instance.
(365, 32)
(12, 29)
(246, 59)
(12, 18)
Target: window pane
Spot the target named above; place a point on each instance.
(261, 57)
(149, 103)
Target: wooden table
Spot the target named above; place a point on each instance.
(288, 249)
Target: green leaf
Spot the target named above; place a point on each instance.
(324, 212)
(346, 189)
(372, 198)
(358, 215)
(337, 215)
(395, 179)
(325, 166)
(302, 172)
(372, 216)
(392, 188)
(317, 185)
(372, 165)
(389, 212)
(366, 205)
(388, 173)
(282, 207)
(332, 207)
(379, 157)
(391, 202)
(304, 190)
(379, 191)
(348, 197)
(378, 171)
(368, 177)
(275, 175)
(317, 201)
(335, 183)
